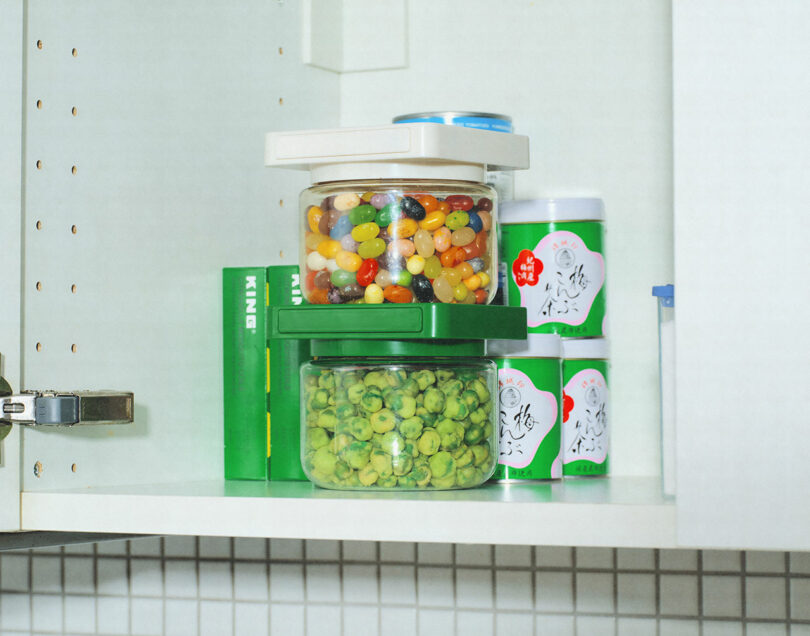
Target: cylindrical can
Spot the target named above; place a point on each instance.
(529, 418)
(586, 436)
(553, 253)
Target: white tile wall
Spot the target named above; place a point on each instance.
(210, 585)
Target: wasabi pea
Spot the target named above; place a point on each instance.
(478, 416)
(392, 443)
(317, 437)
(402, 404)
(342, 470)
(340, 441)
(402, 464)
(327, 419)
(367, 475)
(326, 380)
(434, 400)
(424, 378)
(429, 442)
(463, 456)
(324, 461)
(480, 389)
(468, 476)
(381, 461)
(383, 421)
(411, 387)
(371, 401)
(360, 428)
(443, 375)
(421, 475)
(470, 399)
(455, 408)
(406, 481)
(473, 435)
(387, 482)
(452, 387)
(320, 399)
(412, 427)
(357, 454)
(442, 464)
(355, 392)
(376, 379)
(480, 454)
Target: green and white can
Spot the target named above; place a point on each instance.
(552, 251)
(529, 418)
(586, 436)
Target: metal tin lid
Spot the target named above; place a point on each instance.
(585, 349)
(537, 345)
(548, 210)
(467, 119)
(666, 293)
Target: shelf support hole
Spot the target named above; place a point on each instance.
(73, 229)
(39, 104)
(39, 346)
(39, 286)
(39, 44)
(74, 169)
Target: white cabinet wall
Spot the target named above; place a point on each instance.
(169, 187)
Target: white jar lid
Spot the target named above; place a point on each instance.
(548, 210)
(398, 151)
(537, 345)
(585, 349)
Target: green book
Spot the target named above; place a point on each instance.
(261, 433)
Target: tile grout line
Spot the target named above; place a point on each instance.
(377, 553)
(197, 577)
(743, 604)
(657, 566)
(62, 583)
(233, 585)
(163, 585)
(454, 563)
(493, 584)
(615, 591)
(267, 574)
(574, 587)
(788, 608)
(417, 605)
(533, 561)
(700, 591)
(340, 591)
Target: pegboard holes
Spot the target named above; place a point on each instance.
(73, 348)
(73, 468)
(281, 254)
(74, 111)
(73, 289)
(74, 53)
(281, 101)
(281, 203)
(281, 50)
(39, 164)
(39, 346)
(38, 469)
(39, 225)
(73, 229)
(39, 104)
(74, 169)
(39, 286)
(39, 44)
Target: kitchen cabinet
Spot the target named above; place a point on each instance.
(155, 182)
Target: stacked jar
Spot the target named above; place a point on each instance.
(552, 252)
(399, 396)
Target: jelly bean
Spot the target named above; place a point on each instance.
(433, 221)
(452, 276)
(314, 215)
(473, 282)
(477, 264)
(481, 296)
(484, 204)
(332, 217)
(456, 220)
(423, 242)
(404, 278)
(428, 202)
(465, 270)
(433, 267)
(380, 200)
(341, 277)
(352, 291)
(403, 247)
(322, 279)
(368, 270)
(334, 297)
(371, 248)
(348, 243)
(444, 207)
(323, 223)
(403, 228)
(346, 201)
(342, 228)
(366, 196)
(448, 258)
(328, 203)
(316, 261)
(373, 294)
(416, 264)
(365, 232)
(391, 260)
(422, 288)
(383, 278)
(362, 214)
(460, 292)
(412, 208)
(312, 240)
(349, 261)
(484, 278)
(384, 235)
(475, 222)
(441, 239)
(329, 248)
(471, 251)
(398, 294)
(310, 281)
(332, 265)
(481, 242)
(464, 236)
(443, 290)
(459, 202)
(319, 297)
(486, 220)
(388, 215)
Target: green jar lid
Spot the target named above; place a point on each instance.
(419, 329)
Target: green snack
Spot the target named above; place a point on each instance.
(429, 442)
(470, 399)
(326, 380)
(467, 476)
(392, 443)
(383, 421)
(357, 454)
(442, 465)
(434, 400)
(412, 427)
(355, 392)
(473, 435)
(450, 434)
(452, 387)
(402, 404)
(480, 454)
(324, 461)
(319, 399)
(340, 441)
(381, 461)
(387, 482)
(327, 419)
(360, 428)
(455, 408)
(402, 464)
(317, 438)
(367, 475)
(371, 401)
(463, 456)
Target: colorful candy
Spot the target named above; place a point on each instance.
(377, 247)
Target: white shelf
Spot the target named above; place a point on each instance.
(599, 512)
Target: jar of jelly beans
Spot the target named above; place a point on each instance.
(399, 241)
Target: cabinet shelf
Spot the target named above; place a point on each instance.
(619, 511)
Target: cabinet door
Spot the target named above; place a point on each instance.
(742, 269)
(11, 32)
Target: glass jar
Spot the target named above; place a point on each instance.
(407, 424)
(399, 241)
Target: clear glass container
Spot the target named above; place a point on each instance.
(404, 424)
(399, 241)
